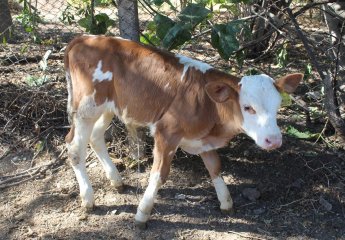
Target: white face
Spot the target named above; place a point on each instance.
(260, 101)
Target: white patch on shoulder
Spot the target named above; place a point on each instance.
(91, 35)
(99, 75)
(188, 62)
(120, 38)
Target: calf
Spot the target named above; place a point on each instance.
(186, 104)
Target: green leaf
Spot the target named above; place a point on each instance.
(149, 38)
(301, 135)
(158, 2)
(240, 1)
(282, 56)
(307, 71)
(151, 26)
(224, 40)
(177, 35)
(193, 14)
(85, 23)
(286, 100)
(164, 24)
(39, 146)
(224, 37)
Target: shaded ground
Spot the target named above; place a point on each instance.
(301, 185)
(291, 183)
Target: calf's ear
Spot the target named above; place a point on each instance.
(289, 83)
(219, 91)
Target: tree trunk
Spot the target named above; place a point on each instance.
(5, 20)
(128, 19)
(334, 15)
(129, 29)
(335, 19)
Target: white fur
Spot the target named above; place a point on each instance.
(146, 203)
(188, 62)
(120, 38)
(90, 123)
(152, 127)
(69, 98)
(223, 193)
(98, 145)
(88, 107)
(196, 146)
(77, 150)
(259, 92)
(99, 75)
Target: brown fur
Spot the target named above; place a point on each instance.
(140, 76)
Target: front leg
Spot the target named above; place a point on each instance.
(213, 165)
(163, 152)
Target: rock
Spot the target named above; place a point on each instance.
(83, 217)
(325, 204)
(180, 196)
(251, 193)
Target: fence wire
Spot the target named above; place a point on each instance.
(34, 34)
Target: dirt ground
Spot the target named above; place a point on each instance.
(298, 191)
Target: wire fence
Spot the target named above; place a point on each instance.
(32, 85)
(32, 54)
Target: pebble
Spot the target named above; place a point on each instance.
(83, 217)
(180, 196)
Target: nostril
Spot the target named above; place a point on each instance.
(268, 141)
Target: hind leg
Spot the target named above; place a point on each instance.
(77, 141)
(98, 145)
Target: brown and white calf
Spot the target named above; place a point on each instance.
(186, 104)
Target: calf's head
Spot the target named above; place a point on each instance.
(259, 101)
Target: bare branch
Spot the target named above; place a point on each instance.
(330, 100)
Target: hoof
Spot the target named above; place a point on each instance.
(87, 208)
(228, 211)
(141, 225)
(120, 189)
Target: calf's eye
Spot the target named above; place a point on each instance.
(249, 109)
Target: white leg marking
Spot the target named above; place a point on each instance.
(223, 194)
(85, 187)
(77, 151)
(101, 151)
(146, 203)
